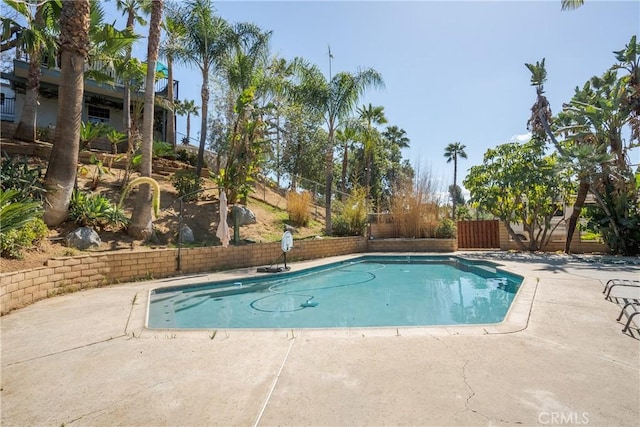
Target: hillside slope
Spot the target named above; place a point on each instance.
(202, 217)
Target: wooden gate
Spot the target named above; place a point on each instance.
(478, 234)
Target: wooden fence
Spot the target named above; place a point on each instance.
(483, 234)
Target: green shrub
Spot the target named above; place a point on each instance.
(15, 173)
(44, 134)
(299, 207)
(90, 132)
(94, 210)
(446, 229)
(15, 241)
(187, 184)
(353, 220)
(341, 227)
(187, 157)
(16, 210)
(163, 149)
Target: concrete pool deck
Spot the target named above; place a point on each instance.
(86, 359)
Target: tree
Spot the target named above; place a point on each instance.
(452, 152)
(571, 4)
(335, 99)
(187, 107)
(61, 171)
(304, 144)
(541, 110)
(243, 69)
(141, 226)
(37, 39)
(346, 137)
(396, 136)
(208, 37)
(371, 137)
(601, 112)
(520, 185)
(397, 139)
(131, 8)
(171, 47)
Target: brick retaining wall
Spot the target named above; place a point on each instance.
(69, 274)
(412, 245)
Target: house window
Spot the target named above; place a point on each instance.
(1, 98)
(98, 115)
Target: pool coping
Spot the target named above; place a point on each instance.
(516, 319)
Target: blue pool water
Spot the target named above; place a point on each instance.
(371, 291)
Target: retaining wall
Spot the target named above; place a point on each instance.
(412, 245)
(69, 274)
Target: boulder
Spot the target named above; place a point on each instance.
(186, 234)
(243, 215)
(83, 238)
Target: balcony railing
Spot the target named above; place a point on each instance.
(8, 109)
(115, 80)
(107, 69)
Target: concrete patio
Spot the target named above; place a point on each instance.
(86, 359)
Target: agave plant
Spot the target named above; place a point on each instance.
(16, 211)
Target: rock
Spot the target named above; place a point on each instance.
(83, 238)
(244, 216)
(186, 234)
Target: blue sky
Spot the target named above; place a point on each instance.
(454, 70)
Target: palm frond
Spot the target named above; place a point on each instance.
(571, 4)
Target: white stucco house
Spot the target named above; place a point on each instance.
(103, 102)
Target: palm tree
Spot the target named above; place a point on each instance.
(243, 69)
(37, 39)
(541, 110)
(187, 107)
(345, 136)
(130, 7)
(452, 152)
(170, 47)
(370, 115)
(141, 226)
(61, 171)
(208, 37)
(398, 140)
(571, 4)
(396, 136)
(335, 99)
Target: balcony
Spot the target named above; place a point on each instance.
(8, 109)
(112, 88)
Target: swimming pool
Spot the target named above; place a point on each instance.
(369, 291)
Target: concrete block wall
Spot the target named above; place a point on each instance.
(383, 230)
(69, 274)
(413, 245)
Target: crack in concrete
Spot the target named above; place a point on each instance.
(133, 303)
(124, 334)
(65, 350)
(127, 397)
(472, 392)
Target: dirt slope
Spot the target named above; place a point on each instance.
(202, 217)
